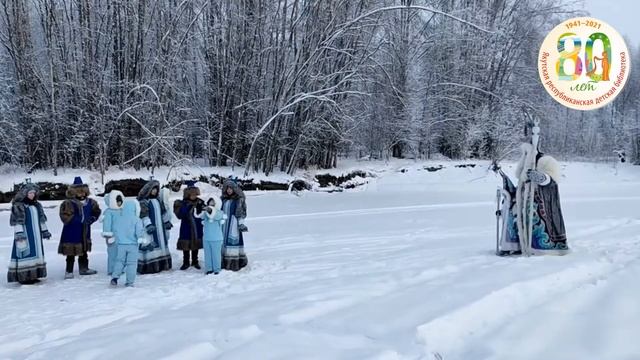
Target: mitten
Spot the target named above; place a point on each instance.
(21, 244)
(168, 225)
(46, 234)
(20, 236)
(150, 229)
(537, 177)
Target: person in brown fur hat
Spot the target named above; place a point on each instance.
(77, 213)
(190, 240)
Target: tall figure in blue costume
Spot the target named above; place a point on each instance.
(78, 212)
(155, 257)
(190, 240)
(545, 222)
(29, 222)
(548, 235)
(234, 207)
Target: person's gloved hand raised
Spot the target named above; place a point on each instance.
(537, 177)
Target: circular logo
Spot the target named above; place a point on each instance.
(583, 63)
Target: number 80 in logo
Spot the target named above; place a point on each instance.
(590, 61)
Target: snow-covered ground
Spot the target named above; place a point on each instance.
(400, 269)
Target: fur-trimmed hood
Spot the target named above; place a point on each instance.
(21, 195)
(110, 200)
(550, 166)
(237, 191)
(18, 208)
(216, 204)
(130, 207)
(145, 192)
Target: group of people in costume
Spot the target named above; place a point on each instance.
(136, 231)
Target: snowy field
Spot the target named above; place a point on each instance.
(400, 269)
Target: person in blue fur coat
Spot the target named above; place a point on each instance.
(78, 212)
(212, 221)
(27, 264)
(156, 218)
(122, 223)
(234, 205)
(190, 240)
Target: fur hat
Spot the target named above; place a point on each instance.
(145, 192)
(191, 189)
(78, 188)
(233, 185)
(21, 195)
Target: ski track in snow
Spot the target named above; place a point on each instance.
(450, 333)
(375, 211)
(356, 279)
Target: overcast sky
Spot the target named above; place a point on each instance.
(623, 15)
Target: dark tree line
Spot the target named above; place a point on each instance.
(283, 84)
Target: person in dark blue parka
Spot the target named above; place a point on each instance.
(78, 212)
(190, 240)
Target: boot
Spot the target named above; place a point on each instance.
(68, 275)
(185, 261)
(114, 282)
(83, 264)
(69, 269)
(194, 260)
(29, 282)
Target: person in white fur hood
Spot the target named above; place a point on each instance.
(212, 221)
(122, 226)
(548, 233)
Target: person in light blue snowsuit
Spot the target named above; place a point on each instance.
(122, 223)
(212, 221)
(114, 199)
